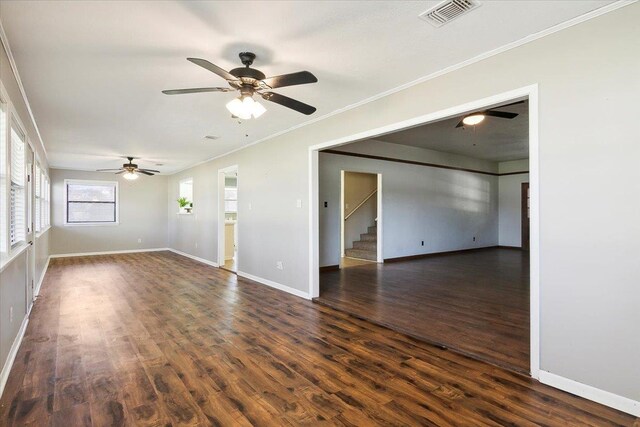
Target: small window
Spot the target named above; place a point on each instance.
(38, 199)
(186, 191)
(17, 193)
(3, 177)
(231, 199)
(91, 202)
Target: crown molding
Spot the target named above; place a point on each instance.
(528, 39)
(16, 74)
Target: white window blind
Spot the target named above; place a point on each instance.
(47, 202)
(3, 178)
(91, 202)
(17, 203)
(38, 199)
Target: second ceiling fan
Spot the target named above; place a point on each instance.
(249, 81)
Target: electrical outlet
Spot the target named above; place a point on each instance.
(249, 206)
(196, 245)
(11, 314)
(279, 265)
(326, 204)
(298, 203)
(139, 240)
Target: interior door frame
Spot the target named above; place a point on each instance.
(529, 92)
(379, 223)
(525, 226)
(221, 218)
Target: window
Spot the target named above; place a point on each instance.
(3, 177)
(17, 202)
(46, 210)
(91, 202)
(186, 191)
(38, 199)
(231, 199)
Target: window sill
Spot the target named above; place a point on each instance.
(15, 252)
(40, 233)
(185, 213)
(91, 224)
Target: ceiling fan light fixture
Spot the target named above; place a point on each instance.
(130, 175)
(473, 119)
(245, 107)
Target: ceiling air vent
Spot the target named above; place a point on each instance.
(448, 11)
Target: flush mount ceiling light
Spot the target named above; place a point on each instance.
(473, 119)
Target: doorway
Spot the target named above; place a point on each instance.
(228, 214)
(529, 93)
(360, 219)
(525, 206)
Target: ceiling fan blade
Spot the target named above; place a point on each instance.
(196, 90)
(285, 101)
(142, 171)
(122, 171)
(500, 114)
(149, 170)
(460, 124)
(108, 170)
(213, 68)
(299, 78)
(513, 103)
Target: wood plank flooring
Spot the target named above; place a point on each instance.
(476, 302)
(156, 339)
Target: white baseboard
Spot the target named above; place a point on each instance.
(606, 398)
(128, 251)
(36, 291)
(202, 260)
(11, 357)
(275, 285)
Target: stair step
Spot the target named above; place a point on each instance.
(369, 237)
(361, 254)
(366, 245)
(373, 229)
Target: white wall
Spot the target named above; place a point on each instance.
(143, 215)
(510, 194)
(444, 208)
(589, 272)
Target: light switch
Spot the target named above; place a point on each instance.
(299, 203)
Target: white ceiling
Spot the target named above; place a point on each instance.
(93, 70)
(493, 139)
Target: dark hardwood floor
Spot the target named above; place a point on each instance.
(159, 339)
(476, 302)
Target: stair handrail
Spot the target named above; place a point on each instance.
(360, 204)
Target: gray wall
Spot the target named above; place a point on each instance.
(13, 277)
(510, 200)
(588, 90)
(143, 215)
(444, 208)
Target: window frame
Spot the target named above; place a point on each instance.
(183, 211)
(14, 123)
(92, 223)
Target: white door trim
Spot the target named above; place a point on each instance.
(221, 218)
(530, 92)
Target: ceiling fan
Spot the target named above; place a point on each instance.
(130, 170)
(478, 116)
(249, 81)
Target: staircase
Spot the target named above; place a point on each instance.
(366, 247)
